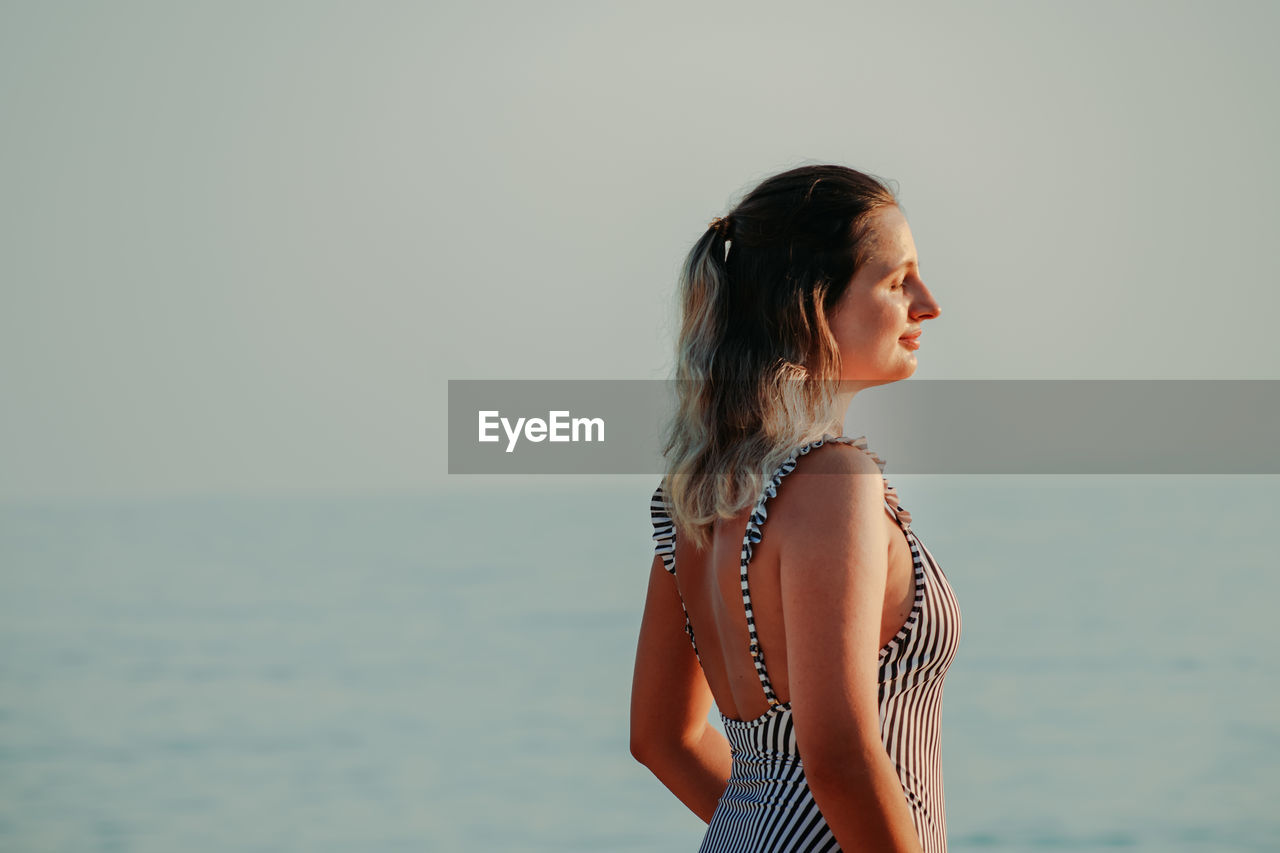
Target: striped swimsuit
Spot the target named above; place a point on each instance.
(767, 805)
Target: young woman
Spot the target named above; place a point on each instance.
(826, 660)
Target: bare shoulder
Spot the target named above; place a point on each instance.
(832, 482)
(837, 458)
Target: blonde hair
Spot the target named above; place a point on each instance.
(756, 362)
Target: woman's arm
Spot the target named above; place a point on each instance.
(834, 563)
(669, 704)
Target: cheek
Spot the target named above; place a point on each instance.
(852, 336)
(868, 327)
(891, 318)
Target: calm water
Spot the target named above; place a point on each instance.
(453, 673)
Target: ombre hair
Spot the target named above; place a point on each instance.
(757, 366)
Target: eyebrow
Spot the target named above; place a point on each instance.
(906, 263)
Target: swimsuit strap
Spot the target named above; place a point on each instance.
(754, 531)
(896, 509)
(664, 534)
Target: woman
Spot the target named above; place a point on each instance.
(806, 293)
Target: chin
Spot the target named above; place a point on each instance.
(889, 370)
(902, 371)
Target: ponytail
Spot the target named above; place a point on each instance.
(704, 287)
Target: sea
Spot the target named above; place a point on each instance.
(451, 671)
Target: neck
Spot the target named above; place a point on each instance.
(844, 399)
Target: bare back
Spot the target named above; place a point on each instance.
(710, 584)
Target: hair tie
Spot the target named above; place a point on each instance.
(720, 226)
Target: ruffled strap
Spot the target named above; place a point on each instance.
(664, 537)
(664, 529)
(761, 513)
(891, 499)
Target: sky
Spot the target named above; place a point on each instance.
(244, 247)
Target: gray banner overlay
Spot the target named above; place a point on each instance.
(610, 426)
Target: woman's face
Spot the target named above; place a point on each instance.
(885, 301)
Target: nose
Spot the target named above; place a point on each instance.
(924, 306)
